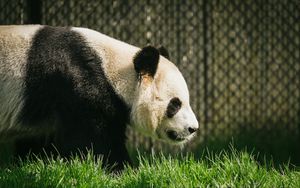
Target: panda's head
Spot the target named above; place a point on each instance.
(161, 107)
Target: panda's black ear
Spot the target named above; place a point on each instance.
(146, 61)
(164, 52)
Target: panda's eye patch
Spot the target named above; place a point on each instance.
(173, 107)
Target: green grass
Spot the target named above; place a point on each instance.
(225, 169)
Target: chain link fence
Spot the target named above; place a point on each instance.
(240, 58)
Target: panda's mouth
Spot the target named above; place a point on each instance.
(173, 135)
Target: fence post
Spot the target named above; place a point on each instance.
(205, 67)
(34, 11)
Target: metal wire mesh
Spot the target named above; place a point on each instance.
(241, 58)
(254, 69)
(12, 12)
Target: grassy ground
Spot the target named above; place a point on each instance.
(225, 169)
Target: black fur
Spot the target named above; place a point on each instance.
(146, 61)
(66, 90)
(173, 107)
(164, 52)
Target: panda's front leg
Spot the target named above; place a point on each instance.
(106, 143)
(112, 139)
(72, 141)
(118, 158)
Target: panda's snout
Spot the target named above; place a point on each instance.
(181, 127)
(192, 127)
(192, 123)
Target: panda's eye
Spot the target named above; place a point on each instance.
(173, 107)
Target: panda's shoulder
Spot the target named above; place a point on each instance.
(59, 42)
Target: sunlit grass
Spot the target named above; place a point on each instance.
(226, 169)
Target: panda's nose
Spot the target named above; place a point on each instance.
(192, 130)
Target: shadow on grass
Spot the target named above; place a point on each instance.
(6, 152)
(277, 146)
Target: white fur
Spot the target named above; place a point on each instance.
(14, 43)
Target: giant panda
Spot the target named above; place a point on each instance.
(83, 88)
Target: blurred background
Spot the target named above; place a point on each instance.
(240, 58)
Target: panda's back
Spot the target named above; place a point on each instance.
(50, 75)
